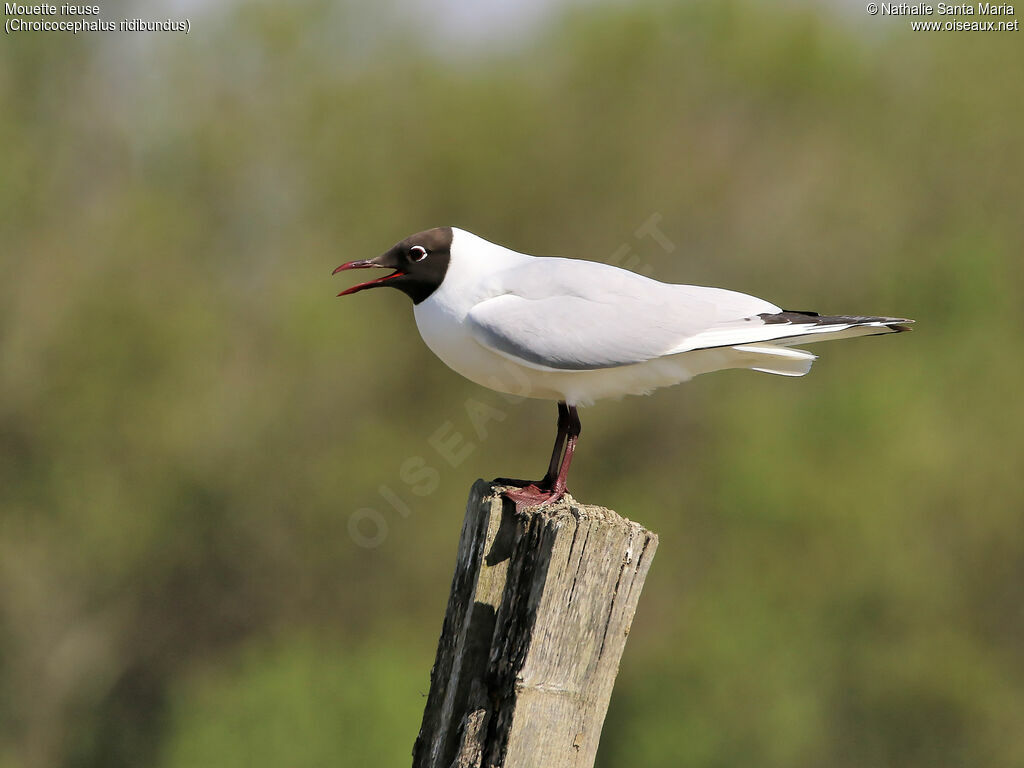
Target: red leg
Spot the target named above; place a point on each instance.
(573, 433)
(552, 487)
(553, 465)
(556, 452)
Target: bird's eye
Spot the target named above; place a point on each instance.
(418, 253)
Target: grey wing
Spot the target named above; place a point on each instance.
(565, 334)
(568, 315)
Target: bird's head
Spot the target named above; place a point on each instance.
(419, 263)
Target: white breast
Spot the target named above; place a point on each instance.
(473, 276)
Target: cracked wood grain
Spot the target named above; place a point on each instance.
(540, 607)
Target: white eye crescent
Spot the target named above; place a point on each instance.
(418, 253)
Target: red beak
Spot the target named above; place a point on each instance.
(365, 264)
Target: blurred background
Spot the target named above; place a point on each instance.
(208, 553)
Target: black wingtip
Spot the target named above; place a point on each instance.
(894, 324)
(900, 326)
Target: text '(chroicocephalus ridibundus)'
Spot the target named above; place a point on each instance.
(577, 331)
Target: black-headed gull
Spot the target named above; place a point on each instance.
(577, 331)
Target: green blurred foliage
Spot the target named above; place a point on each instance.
(188, 420)
(298, 703)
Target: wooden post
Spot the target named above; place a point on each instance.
(540, 607)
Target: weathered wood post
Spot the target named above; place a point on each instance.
(540, 607)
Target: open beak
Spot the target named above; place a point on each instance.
(366, 264)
